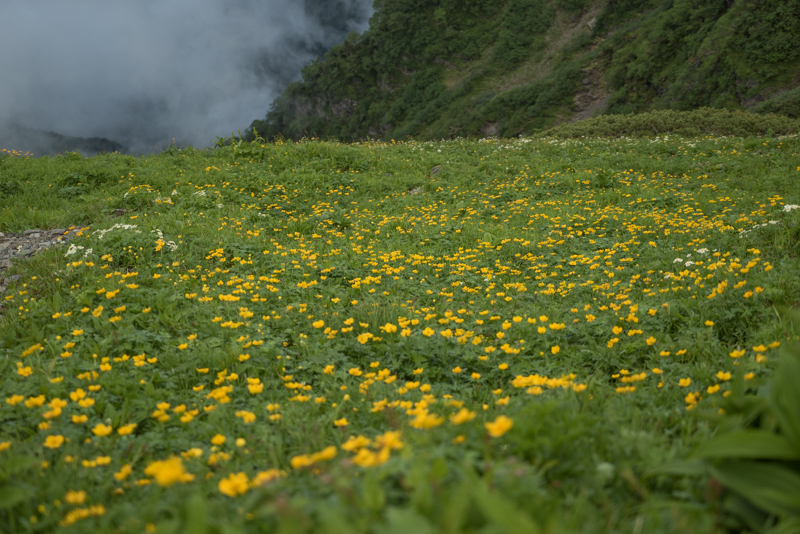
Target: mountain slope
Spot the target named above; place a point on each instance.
(477, 67)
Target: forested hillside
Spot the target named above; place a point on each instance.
(439, 69)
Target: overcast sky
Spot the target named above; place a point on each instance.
(143, 72)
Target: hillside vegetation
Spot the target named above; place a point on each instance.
(537, 335)
(480, 68)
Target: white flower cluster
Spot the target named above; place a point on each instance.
(171, 244)
(117, 226)
(789, 207)
(74, 249)
(200, 193)
(756, 227)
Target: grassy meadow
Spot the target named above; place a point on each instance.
(460, 336)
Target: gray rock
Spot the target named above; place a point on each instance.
(58, 231)
(29, 232)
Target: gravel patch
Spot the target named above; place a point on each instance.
(19, 247)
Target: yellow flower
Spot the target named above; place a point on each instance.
(123, 473)
(168, 472)
(219, 439)
(425, 420)
(428, 332)
(737, 354)
(723, 376)
(183, 346)
(14, 399)
(457, 370)
(75, 498)
(353, 444)
(555, 349)
(462, 416)
(126, 429)
(101, 430)
(77, 332)
(476, 376)
(53, 442)
(318, 324)
(617, 330)
(79, 419)
(650, 340)
(234, 485)
(247, 417)
(684, 382)
(341, 422)
(709, 323)
(503, 366)
(499, 426)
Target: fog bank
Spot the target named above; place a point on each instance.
(148, 72)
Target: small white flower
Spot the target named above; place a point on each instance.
(73, 249)
(677, 260)
(789, 207)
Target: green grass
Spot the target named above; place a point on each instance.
(589, 291)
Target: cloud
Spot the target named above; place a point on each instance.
(146, 72)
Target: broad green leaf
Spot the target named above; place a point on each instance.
(15, 464)
(403, 521)
(196, 515)
(747, 444)
(333, 521)
(11, 495)
(502, 512)
(788, 526)
(679, 468)
(774, 488)
(786, 397)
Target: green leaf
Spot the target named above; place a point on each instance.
(14, 464)
(774, 488)
(333, 521)
(402, 521)
(502, 512)
(785, 399)
(679, 468)
(196, 515)
(789, 526)
(747, 444)
(10, 495)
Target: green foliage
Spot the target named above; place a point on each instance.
(786, 103)
(700, 122)
(523, 27)
(477, 67)
(755, 454)
(500, 236)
